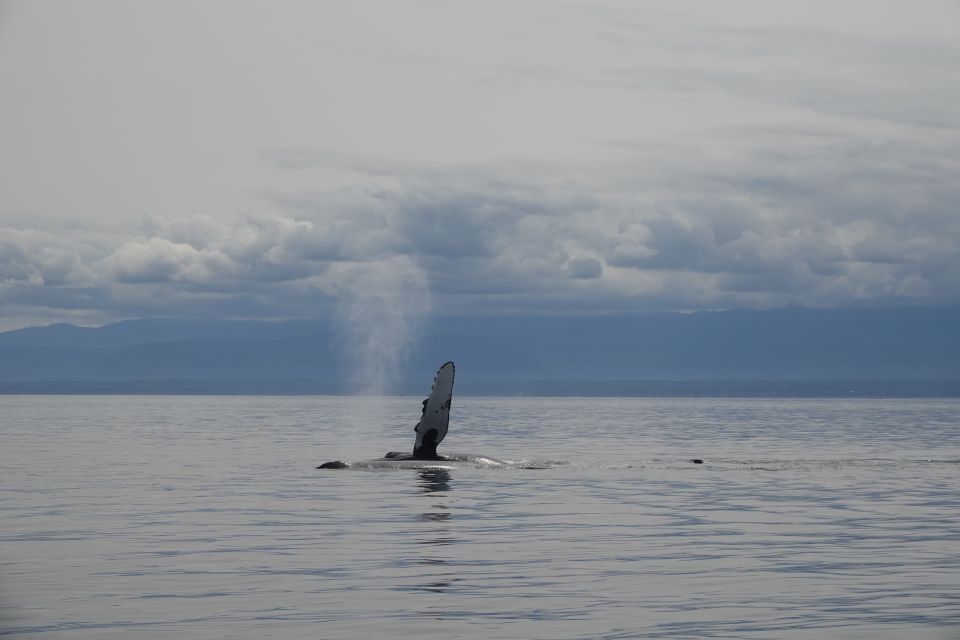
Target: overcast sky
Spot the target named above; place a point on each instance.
(272, 159)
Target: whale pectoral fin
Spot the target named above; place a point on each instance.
(435, 415)
(335, 464)
(426, 447)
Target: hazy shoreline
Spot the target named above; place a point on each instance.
(543, 388)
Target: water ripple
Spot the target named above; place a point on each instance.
(204, 518)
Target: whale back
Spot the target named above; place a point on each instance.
(436, 408)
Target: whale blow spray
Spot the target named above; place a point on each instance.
(381, 314)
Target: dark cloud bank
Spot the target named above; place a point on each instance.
(844, 225)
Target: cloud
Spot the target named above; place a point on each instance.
(609, 158)
(159, 260)
(846, 222)
(30, 257)
(584, 268)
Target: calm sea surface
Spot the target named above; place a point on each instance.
(203, 517)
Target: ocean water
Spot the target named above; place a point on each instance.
(204, 517)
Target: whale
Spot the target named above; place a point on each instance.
(430, 431)
(434, 418)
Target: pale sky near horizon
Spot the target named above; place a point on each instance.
(270, 159)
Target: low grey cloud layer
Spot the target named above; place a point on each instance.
(652, 238)
(615, 159)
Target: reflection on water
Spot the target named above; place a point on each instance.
(434, 480)
(433, 515)
(436, 483)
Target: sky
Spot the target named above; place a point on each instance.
(293, 159)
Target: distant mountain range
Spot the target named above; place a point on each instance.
(793, 351)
